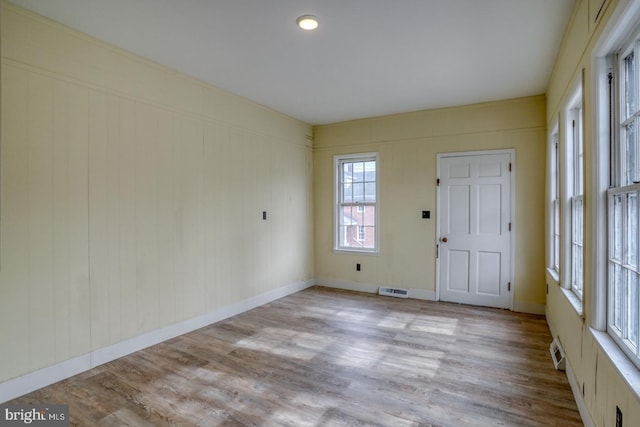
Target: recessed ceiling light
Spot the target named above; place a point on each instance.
(307, 22)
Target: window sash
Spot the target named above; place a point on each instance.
(577, 245)
(623, 322)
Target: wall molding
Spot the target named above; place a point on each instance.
(32, 381)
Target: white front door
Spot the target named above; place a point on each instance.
(474, 221)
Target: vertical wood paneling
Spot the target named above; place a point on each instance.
(113, 219)
(99, 218)
(79, 291)
(213, 188)
(40, 216)
(238, 204)
(167, 206)
(147, 216)
(61, 220)
(219, 213)
(14, 273)
(127, 216)
(122, 214)
(192, 244)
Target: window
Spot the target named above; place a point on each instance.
(554, 204)
(623, 308)
(356, 203)
(574, 167)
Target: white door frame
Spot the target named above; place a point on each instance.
(512, 210)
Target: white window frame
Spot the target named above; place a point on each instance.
(554, 236)
(572, 197)
(340, 244)
(623, 230)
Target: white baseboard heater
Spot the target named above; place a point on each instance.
(393, 292)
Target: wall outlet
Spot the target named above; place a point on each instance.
(358, 267)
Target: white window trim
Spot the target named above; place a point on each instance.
(337, 159)
(553, 201)
(617, 33)
(567, 167)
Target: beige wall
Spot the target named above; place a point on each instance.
(408, 145)
(598, 382)
(132, 196)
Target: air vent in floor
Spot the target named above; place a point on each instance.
(393, 292)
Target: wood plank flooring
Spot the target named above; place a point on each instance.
(325, 357)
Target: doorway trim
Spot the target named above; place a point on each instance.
(512, 211)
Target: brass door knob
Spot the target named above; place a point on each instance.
(443, 239)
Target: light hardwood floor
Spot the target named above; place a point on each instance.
(325, 357)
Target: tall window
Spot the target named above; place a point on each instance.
(622, 204)
(356, 203)
(575, 184)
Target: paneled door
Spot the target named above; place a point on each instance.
(474, 226)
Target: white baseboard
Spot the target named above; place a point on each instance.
(577, 395)
(32, 381)
(573, 382)
(373, 289)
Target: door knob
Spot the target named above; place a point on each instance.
(443, 239)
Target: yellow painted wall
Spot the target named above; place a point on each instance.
(132, 196)
(597, 378)
(408, 145)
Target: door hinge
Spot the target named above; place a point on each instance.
(509, 166)
(438, 181)
(437, 251)
(509, 286)
(509, 226)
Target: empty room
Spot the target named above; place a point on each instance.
(320, 213)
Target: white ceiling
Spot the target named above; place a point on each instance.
(367, 58)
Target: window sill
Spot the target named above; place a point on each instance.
(627, 370)
(355, 252)
(575, 302)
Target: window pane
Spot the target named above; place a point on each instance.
(632, 307)
(358, 172)
(347, 193)
(576, 245)
(369, 216)
(347, 216)
(632, 229)
(616, 228)
(370, 192)
(630, 164)
(358, 192)
(370, 237)
(616, 281)
(629, 84)
(556, 235)
(347, 172)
